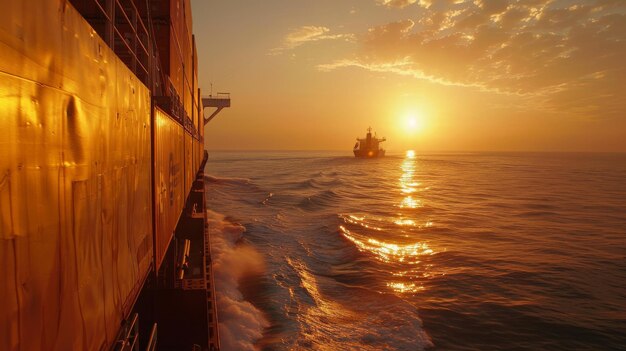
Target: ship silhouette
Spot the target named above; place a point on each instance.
(369, 147)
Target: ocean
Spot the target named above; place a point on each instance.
(475, 251)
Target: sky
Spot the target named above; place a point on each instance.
(429, 75)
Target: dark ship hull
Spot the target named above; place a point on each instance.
(369, 153)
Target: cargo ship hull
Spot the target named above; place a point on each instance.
(101, 181)
(363, 153)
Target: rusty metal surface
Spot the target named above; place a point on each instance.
(169, 195)
(190, 171)
(75, 219)
(196, 153)
(200, 128)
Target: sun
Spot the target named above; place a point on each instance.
(413, 123)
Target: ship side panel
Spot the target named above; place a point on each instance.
(190, 171)
(169, 193)
(75, 217)
(194, 83)
(200, 127)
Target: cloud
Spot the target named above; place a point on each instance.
(397, 3)
(306, 34)
(401, 67)
(492, 6)
(570, 56)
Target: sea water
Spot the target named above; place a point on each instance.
(478, 251)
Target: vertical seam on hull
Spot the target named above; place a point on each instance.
(17, 293)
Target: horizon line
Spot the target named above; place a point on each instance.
(428, 151)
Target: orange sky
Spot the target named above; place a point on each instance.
(480, 75)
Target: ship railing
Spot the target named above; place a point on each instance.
(124, 32)
(221, 100)
(218, 96)
(152, 341)
(128, 337)
(136, 45)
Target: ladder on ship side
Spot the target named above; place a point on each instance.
(128, 337)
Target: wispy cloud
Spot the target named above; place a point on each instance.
(405, 67)
(306, 34)
(397, 3)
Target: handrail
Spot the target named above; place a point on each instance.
(217, 96)
(129, 332)
(130, 50)
(132, 24)
(106, 16)
(129, 15)
(152, 341)
(117, 2)
(132, 3)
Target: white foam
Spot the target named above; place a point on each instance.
(240, 323)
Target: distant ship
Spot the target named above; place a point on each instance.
(369, 146)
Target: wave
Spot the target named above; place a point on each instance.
(224, 180)
(241, 323)
(318, 200)
(388, 251)
(333, 320)
(319, 180)
(310, 183)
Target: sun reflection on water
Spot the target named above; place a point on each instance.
(408, 262)
(405, 222)
(389, 252)
(408, 184)
(409, 202)
(360, 221)
(405, 287)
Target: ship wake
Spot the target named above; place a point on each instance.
(241, 324)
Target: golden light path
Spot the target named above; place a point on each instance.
(360, 221)
(406, 222)
(405, 287)
(408, 185)
(389, 252)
